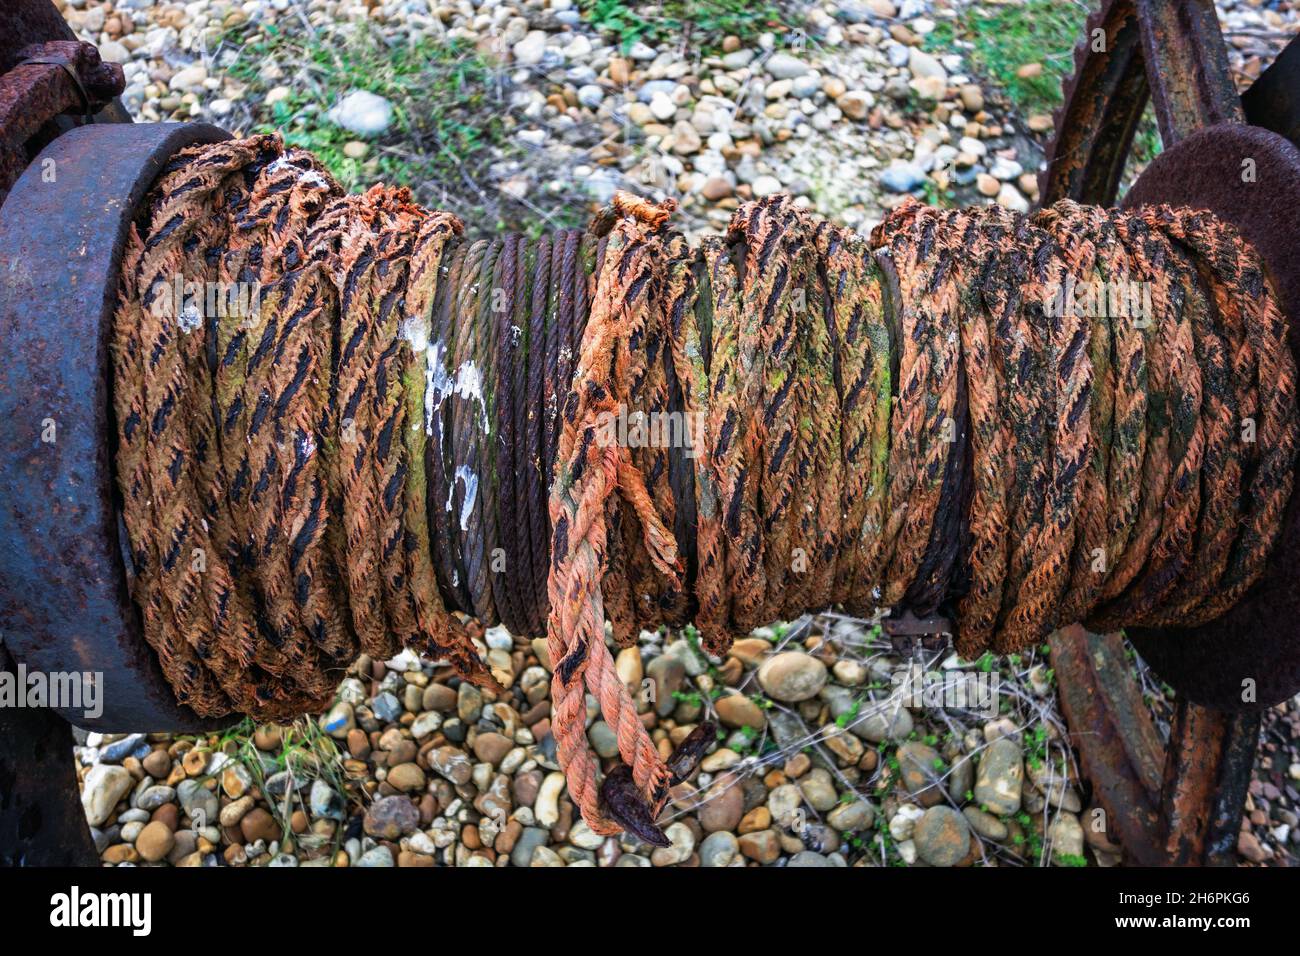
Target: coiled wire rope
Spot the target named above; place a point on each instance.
(414, 436)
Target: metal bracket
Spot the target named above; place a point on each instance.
(42, 822)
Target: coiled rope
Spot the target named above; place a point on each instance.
(410, 437)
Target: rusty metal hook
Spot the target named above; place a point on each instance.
(623, 801)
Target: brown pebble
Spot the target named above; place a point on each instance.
(234, 783)
(406, 778)
(762, 846)
(409, 858)
(358, 743)
(157, 764)
(195, 762)
(155, 841)
(506, 839)
(525, 786)
(492, 747)
(428, 809)
(267, 737)
(324, 828)
(560, 832)
(404, 751)
(1250, 848)
(750, 651)
(536, 713)
(798, 765)
(258, 824)
(439, 697)
(731, 670)
(168, 815)
(774, 779)
(120, 853)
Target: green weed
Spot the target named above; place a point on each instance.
(701, 23)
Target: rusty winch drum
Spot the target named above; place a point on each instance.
(64, 569)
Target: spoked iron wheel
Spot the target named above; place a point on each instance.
(1179, 802)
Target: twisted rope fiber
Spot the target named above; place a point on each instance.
(900, 421)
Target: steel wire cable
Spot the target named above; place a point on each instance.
(414, 436)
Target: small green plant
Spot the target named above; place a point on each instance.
(451, 118)
(692, 638)
(1006, 38)
(846, 718)
(305, 751)
(1032, 840)
(617, 18)
(703, 23)
(888, 848)
(934, 196)
(412, 78)
(1036, 747)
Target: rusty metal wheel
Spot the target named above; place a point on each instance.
(1179, 801)
(61, 502)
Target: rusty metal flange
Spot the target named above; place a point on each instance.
(64, 603)
(1250, 177)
